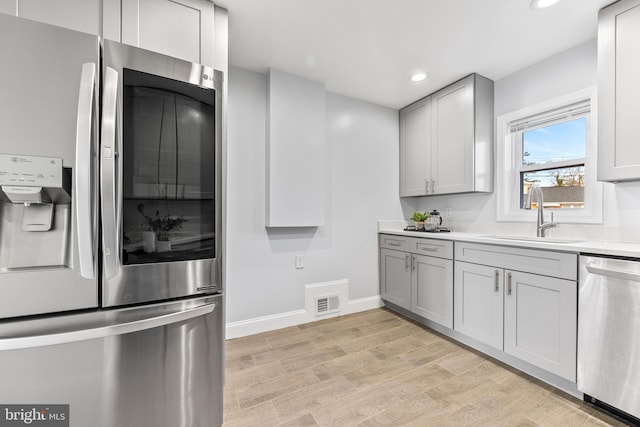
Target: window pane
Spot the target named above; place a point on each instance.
(555, 143)
(561, 188)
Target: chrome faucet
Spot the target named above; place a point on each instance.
(541, 226)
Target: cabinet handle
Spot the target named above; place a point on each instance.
(508, 283)
(413, 262)
(426, 186)
(393, 243)
(497, 274)
(433, 186)
(427, 248)
(406, 261)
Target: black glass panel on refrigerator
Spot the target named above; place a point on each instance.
(168, 170)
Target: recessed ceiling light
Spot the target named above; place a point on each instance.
(418, 77)
(541, 4)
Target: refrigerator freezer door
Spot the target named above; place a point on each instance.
(151, 366)
(48, 109)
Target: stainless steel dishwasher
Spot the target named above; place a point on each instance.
(609, 334)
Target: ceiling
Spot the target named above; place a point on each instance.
(367, 49)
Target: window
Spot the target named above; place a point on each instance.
(550, 145)
(553, 156)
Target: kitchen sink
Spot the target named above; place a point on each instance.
(534, 239)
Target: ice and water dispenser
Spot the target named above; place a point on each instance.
(35, 212)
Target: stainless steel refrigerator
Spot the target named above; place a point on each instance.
(111, 295)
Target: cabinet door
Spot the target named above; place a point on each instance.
(619, 91)
(540, 322)
(452, 152)
(415, 146)
(478, 302)
(179, 28)
(432, 289)
(395, 277)
(78, 15)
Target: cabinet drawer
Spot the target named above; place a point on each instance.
(416, 245)
(432, 247)
(536, 261)
(394, 242)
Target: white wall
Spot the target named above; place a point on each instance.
(564, 73)
(362, 147)
(362, 151)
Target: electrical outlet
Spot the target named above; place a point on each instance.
(299, 261)
(447, 212)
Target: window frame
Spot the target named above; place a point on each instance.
(509, 163)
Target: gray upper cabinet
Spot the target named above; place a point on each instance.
(415, 148)
(446, 140)
(78, 15)
(180, 28)
(619, 92)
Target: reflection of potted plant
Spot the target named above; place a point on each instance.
(160, 226)
(419, 218)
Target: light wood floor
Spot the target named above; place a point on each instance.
(377, 368)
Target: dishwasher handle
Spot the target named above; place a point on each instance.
(105, 331)
(616, 274)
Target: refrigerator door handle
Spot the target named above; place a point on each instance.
(105, 331)
(82, 171)
(108, 153)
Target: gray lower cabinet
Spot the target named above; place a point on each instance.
(540, 324)
(479, 303)
(527, 314)
(522, 302)
(417, 275)
(395, 277)
(432, 289)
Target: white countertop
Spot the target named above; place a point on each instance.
(575, 245)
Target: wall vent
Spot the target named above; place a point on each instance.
(327, 304)
(326, 299)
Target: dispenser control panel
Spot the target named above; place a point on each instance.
(30, 171)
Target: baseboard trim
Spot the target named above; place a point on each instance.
(364, 304)
(272, 322)
(257, 325)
